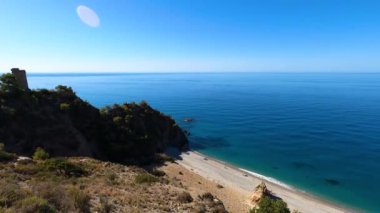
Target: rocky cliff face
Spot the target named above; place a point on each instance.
(65, 125)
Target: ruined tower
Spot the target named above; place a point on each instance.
(20, 76)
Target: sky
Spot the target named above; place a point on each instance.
(190, 35)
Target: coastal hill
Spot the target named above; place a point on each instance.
(59, 153)
(65, 125)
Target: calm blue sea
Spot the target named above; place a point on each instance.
(319, 132)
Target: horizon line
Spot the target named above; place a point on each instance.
(190, 72)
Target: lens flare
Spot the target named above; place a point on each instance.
(88, 16)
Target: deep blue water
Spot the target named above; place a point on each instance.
(319, 132)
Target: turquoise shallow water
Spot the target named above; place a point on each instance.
(319, 132)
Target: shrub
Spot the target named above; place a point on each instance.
(5, 156)
(185, 197)
(145, 178)
(32, 204)
(219, 208)
(54, 194)
(105, 206)
(162, 158)
(267, 204)
(200, 208)
(207, 196)
(64, 107)
(158, 173)
(64, 167)
(40, 154)
(144, 104)
(112, 178)
(81, 199)
(9, 193)
(9, 85)
(118, 120)
(26, 169)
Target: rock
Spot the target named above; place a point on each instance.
(260, 191)
(188, 120)
(24, 160)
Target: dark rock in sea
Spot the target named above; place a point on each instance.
(188, 120)
(302, 165)
(198, 142)
(332, 182)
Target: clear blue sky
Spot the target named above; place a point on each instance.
(191, 35)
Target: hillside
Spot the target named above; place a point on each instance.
(80, 184)
(59, 153)
(65, 125)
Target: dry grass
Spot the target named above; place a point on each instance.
(106, 187)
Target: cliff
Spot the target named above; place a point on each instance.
(55, 126)
(65, 125)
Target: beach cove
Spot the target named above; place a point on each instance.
(239, 184)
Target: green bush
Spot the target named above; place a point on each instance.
(145, 178)
(40, 154)
(5, 156)
(9, 86)
(64, 107)
(64, 167)
(33, 204)
(267, 204)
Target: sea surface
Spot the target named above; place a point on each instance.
(318, 132)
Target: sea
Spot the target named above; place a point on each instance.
(317, 132)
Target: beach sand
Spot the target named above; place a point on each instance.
(203, 174)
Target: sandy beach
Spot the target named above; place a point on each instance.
(238, 184)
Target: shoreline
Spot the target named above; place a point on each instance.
(245, 181)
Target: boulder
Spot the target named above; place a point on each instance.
(259, 192)
(24, 160)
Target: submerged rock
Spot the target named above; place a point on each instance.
(332, 182)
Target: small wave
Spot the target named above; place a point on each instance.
(269, 179)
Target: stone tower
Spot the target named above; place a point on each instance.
(20, 76)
